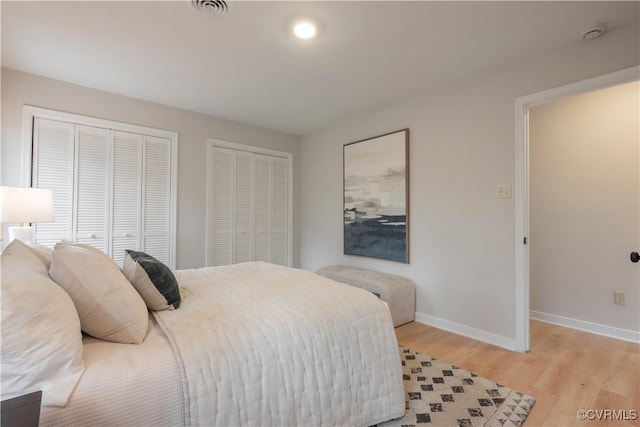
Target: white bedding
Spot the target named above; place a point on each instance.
(262, 344)
(124, 385)
(251, 344)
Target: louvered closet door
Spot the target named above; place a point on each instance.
(221, 207)
(53, 159)
(243, 207)
(279, 211)
(262, 208)
(248, 213)
(127, 194)
(271, 209)
(93, 168)
(112, 189)
(156, 197)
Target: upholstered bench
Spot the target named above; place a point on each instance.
(398, 292)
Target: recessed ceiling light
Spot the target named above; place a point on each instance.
(304, 30)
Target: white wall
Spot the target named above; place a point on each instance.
(584, 195)
(20, 88)
(462, 238)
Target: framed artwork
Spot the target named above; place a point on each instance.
(376, 197)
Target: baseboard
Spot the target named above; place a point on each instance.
(467, 331)
(581, 325)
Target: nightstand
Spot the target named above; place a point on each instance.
(21, 411)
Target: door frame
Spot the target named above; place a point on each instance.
(522, 105)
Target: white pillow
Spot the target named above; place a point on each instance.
(42, 252)
(41, 338)
(108, 305)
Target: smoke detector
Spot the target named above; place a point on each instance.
(593, 32)
(211, 7)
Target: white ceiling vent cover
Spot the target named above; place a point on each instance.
(211, 7)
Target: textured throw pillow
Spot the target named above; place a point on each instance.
(153, 280)
(41, 342)
(108, 306)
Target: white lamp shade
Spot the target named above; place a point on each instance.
(24, 204)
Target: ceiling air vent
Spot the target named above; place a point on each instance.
(211, 7)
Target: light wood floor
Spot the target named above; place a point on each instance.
(566, 370)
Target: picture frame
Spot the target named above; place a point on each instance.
(376, 197)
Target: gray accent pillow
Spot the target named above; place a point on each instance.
(153, 280)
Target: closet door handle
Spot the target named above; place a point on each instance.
(635, 257)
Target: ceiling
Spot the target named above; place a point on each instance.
(246, 66)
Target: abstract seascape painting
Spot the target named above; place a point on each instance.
(376, 203)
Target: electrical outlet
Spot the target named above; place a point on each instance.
(503, 191)
(618, 298)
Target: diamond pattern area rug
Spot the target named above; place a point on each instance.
(438, 394)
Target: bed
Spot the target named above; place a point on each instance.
(250, 344)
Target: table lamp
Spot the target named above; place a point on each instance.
(25, 205)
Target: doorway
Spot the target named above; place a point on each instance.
(577, 252)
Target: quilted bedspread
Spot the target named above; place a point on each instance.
(261, 344)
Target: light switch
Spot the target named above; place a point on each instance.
(503, 191)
